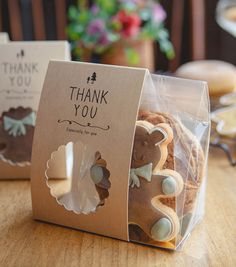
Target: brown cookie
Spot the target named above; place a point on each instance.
(148, 183)
(157, 119)
(16, 135)
(191, 170)
(100, 176)
(190, 147)
(150, 145)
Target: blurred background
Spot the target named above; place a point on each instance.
(192, 39)
(132, 32)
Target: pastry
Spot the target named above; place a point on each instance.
(220, 75)
(228, 99)
(225, 118)
(16, 135)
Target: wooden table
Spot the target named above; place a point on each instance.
(24, 242)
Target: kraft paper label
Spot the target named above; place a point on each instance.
(23, 67)
(94, 107)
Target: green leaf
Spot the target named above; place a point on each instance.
(82, 4)
(72, 13)
(112, 37)
(90, 40)
(83, 17)
(163, 34)
(167, 47)
(145, 14)
(100, 49)
(108, 5)
(132, 56)
(129, 6)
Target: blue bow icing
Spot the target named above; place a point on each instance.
(144, 171)
(17, 127)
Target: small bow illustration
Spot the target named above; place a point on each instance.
(144, 171)
(17, 127)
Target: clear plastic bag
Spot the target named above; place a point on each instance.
(184, 106)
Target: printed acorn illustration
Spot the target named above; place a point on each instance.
(100, 176)
(93, 77)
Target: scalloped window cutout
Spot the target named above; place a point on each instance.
(78, 177)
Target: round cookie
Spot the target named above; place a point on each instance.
(220, 75)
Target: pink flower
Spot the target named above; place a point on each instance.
(159, 13)
(96, 26)
(94, 9)
(103, 40)
(130, 23)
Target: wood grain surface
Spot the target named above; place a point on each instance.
(24, 242)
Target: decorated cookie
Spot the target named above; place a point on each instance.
(190, 165)
(225, 118)
(149, 183)
(150, 145)
(16, 135)
(186, 142)
(100, 176)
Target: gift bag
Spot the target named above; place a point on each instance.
(23, 66)
(137, 147)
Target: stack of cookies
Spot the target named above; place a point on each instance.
(162, 206)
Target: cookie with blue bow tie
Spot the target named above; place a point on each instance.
(149, 183)
(16, 135)
(190, 165)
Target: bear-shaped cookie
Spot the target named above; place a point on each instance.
(190, 165)
(149, 183)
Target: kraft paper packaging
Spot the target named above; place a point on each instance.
(23, 66)
(134, 146)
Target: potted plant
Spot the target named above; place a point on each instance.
(121, 32)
